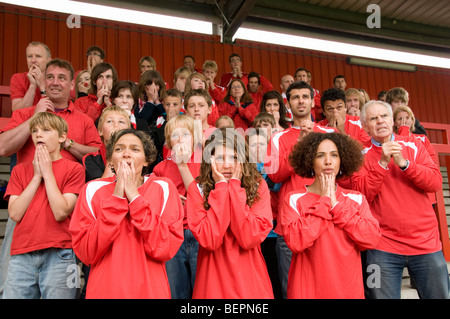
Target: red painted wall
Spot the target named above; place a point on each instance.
(125, 44)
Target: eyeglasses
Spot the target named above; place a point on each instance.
(234, 87)
(93, 53)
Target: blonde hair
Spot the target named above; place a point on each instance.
(397, 93)
(149, 59)
(112, 108)
(210, 64)
(226, 118)
(408, 110)
(182, 71)
(47, 120)
(179, 121)
(351, 92)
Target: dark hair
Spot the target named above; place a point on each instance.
(299, 85)
(275, 95)
(149, 148)
(99, 69)
(381, 94)
(304, 152)
(98, 49)
(246, 97)
(189, 56)
(60, 63)
(125, 85)
(332, 94)
(149, 77)
(340, 76)
(233, 55)
(254, 75)
(300, 69)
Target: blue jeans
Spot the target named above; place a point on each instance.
(182, 267)
(428, 272)
(48, 273)
(5, 253)
(284, 256)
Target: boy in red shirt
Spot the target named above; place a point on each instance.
(42, 195)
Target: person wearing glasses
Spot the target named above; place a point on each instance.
(95, 55)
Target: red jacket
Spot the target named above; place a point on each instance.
(230, 263)
(326, 242)
(226, 78)
(399, 200)
(242, 116)
(127, 244)
(353, 128)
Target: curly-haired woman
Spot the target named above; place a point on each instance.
(324, 225)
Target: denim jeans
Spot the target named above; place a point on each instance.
(5, 253)
(429, 273)
(284, 256)
(182, 267)
(48, 273)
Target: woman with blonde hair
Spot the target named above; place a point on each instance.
(354, 101)
(229, 214)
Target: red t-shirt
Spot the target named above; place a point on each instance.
(38, 228)
(81, 129)
(19, 85)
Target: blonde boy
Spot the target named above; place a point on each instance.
(42, 195)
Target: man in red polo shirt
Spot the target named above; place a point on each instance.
(82, 138)
(26, 87)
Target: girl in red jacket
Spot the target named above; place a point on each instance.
(228, 208)
(325, 225)
(238, 105)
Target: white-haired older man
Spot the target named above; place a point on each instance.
(397, 174)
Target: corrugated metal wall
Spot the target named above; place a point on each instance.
(125, 44)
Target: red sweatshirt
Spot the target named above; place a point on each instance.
(242, 116)
(326, 242)
(353, 128)
(127, 244)
(276, 162)
(230, 264)
(399, 200)
(89, 106)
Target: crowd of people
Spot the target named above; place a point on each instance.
(213, 189)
